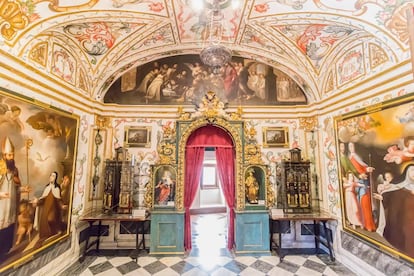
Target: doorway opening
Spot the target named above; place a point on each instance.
(208, 211)
(209, 236)
(209, 136)
(209, 198)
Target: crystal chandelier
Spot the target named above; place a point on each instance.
(214, 54)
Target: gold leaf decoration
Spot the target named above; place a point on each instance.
(39, 54)
(377, 55)
(12, 19)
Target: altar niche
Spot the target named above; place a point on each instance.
(212, 126)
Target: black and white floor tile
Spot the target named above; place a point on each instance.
(207, 258)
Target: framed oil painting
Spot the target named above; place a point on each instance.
(38, 151)
(375, 149)
(164, 182)
(184, 79)
(138, 137)
(276, 137)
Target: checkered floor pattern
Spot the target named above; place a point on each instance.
(208, 257)
(199, 266)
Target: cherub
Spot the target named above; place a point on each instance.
(25, 222)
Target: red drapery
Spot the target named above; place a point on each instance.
(225, 165)
(208, 136)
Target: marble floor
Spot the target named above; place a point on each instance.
(209, 256)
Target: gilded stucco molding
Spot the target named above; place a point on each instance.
(270, 193)
(252, 151)
(55, 5)
(149, 193)
(103, 122)
(166, 147)
(12, 19)
(308, 123)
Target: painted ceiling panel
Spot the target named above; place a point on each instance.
(302, 38)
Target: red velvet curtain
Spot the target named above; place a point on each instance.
(225, 165)
(208, 136)
(194, 157)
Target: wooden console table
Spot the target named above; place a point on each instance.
(316, 217)
(92, 218)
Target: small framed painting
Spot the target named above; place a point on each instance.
(276, 137)
(164, 178)
(138, 137)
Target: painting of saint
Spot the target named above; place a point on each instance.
(35, 141)
(377, 173)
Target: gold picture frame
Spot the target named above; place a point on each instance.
(276, 137)
(34, 134)
(138, 136)
(164, 184)
(374, 165)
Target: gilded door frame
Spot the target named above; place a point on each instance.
(235, 130)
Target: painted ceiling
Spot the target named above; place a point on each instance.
(324, 46)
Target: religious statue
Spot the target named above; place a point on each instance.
(252, 187)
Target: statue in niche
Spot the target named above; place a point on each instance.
(252, 187)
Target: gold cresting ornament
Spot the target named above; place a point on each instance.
(183, 115)
(237, 115)
(210, 107)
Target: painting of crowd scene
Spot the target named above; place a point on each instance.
(184, 80)
(376, 161)
(36, 175)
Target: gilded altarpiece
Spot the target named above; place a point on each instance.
(247, 157)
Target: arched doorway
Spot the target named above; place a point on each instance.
(197, 142)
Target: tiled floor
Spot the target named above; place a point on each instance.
(208, 257)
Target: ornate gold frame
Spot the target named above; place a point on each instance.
(186, 129)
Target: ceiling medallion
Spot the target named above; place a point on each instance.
(214, 54)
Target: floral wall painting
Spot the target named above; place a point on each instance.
(137, 136)
(38, 152)
(64, 65)
(275, 137)
(376, 161)
(185, 80)
(351, 66)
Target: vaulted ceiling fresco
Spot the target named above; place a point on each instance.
(322, 46)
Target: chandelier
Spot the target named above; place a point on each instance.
(214, 54)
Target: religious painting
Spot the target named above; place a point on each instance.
(38, 152)
(375, 149)
(185, 79)
(137, 136)
(276, 137)
(287, 91)
(164, 177)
